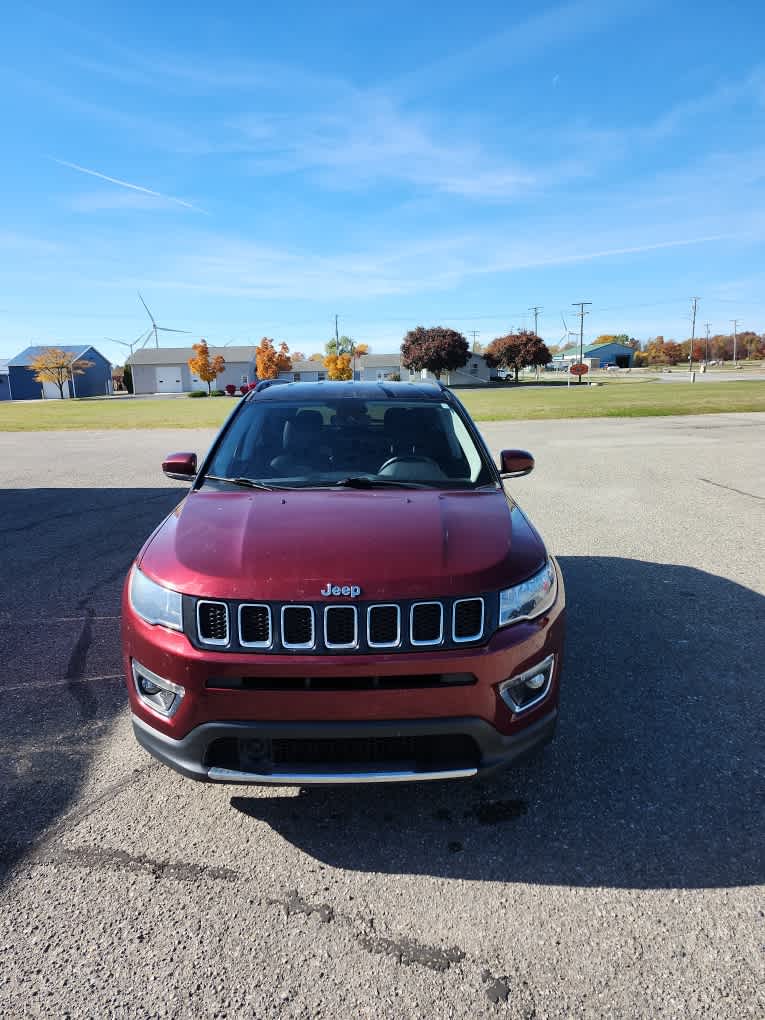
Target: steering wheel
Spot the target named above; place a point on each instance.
(394, 462)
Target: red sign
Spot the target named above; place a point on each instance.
(579, 369)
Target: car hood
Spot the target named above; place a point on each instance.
(392, 544)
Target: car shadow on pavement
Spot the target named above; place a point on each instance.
(64, 554)
(651, 781)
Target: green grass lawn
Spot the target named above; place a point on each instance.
(497, 404)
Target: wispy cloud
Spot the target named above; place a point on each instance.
(127, 184)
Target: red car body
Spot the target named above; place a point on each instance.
(360, 714)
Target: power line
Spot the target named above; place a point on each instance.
(474, 333)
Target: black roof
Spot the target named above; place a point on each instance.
(351, 391)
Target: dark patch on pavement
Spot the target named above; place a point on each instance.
(408, 951)
(498, 988)
(104, 858)
(455, 847)
(75, 670)
(494, 811)
(293, 903)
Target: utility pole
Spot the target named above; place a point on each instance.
(337, 337)
(536, 309)
(580, 305)
(474, 333)
(735, 338)
(694, 301)
(706, 345)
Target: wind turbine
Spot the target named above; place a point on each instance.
(130, 344)
(155, 329)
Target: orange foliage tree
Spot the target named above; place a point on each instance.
(338, 366)
(56, 366)
(203, 366)
(269, 361)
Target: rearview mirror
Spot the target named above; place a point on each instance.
(182, 466)
(514, 463)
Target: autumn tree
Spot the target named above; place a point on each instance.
(518, 350)
(316, 357)
(338, 367)
(270, 361)
(298, 356)
(662, 352)
(438, 349)
(203, 366)
(52, 365)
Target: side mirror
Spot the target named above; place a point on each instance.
(514, 463)
(182, 466)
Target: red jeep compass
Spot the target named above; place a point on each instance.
(345, 595)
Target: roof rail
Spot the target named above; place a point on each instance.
(265, 383)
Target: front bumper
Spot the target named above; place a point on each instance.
(412, 717)
(189, 755)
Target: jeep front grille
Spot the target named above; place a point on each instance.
(341, 627)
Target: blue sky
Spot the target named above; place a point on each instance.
(397, 163)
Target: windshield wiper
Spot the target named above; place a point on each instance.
(362, 482)
(247, 483)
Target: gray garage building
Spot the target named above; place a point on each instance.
(166, 369)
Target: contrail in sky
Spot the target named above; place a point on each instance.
(126, 184)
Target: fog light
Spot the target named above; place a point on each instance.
(522, 692)
(162, 696)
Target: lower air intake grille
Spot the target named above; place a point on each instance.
(297, 626)
(468, 619)
(212, 619)
(425, 752)
(427, 623)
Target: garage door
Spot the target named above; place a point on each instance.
(170, 380)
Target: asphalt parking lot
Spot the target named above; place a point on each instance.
(619, 875)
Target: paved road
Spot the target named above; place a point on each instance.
(619, 876)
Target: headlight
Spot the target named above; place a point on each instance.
(529, 599)
(153, 603)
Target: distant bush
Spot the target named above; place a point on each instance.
(231, 389)
(218, 393)
(244, 389)
(197, 393)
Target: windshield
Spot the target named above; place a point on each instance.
(357, 443)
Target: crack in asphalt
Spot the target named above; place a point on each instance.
(731, 488)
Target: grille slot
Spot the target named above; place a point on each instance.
(467, 619)
(255, 626)
(340, 626)
(212, 623)
(427, 623)
(298, 627)
(384, 626)
(342, 683)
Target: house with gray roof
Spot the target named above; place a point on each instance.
(166, 369)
